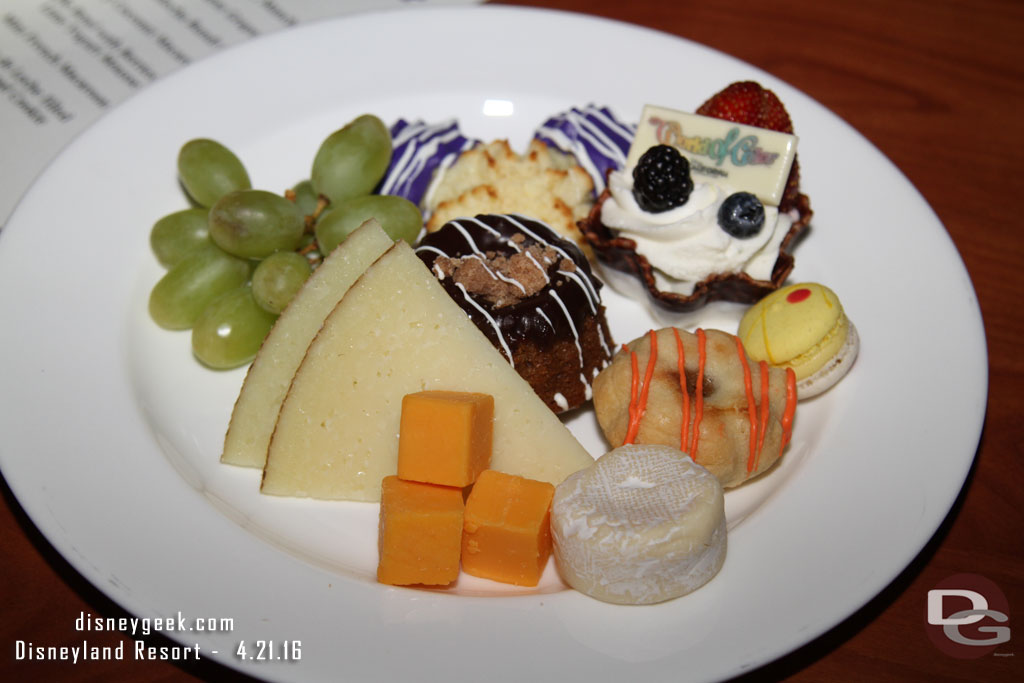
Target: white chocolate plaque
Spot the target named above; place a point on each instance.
(755, 160)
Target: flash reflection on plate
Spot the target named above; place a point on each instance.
(498, 108)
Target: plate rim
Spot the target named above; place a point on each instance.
(86, 569)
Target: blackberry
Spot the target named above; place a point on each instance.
(741, 215)
(661, 179)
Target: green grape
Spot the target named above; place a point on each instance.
(306, 198)
(255, 223)
(230, 330)
(352, 160)
(398, 216)
(278, 278)
(209, 170)
(176, 235)
(186, 289)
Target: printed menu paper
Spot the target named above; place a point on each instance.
(64, 63)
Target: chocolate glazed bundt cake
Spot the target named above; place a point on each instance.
(532, 294)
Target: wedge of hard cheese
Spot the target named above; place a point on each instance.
(266, 383)
(394, 333)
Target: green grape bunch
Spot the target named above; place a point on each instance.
(239, 255)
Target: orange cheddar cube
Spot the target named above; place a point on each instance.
(419, 534)
(445, 437)
(506, 534)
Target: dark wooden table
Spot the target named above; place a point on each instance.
(938, 86)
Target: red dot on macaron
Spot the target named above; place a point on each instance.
(798, 295)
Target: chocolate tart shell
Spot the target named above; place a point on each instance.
(620, 254)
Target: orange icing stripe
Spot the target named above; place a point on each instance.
(641, 406)
(681, 359)
(698, 411)
(748, 384)
(763, 367)
(651, 360)
(632, 393)
(787, 416)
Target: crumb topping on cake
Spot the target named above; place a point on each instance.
(504, 280)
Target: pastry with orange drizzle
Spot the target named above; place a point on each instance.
(701, 393)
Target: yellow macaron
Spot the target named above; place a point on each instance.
(803, 327)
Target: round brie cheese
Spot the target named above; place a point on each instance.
(642, 525)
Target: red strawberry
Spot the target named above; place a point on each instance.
(748, 103)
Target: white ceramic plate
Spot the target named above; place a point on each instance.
(111, 431)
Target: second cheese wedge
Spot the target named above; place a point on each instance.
(397, 332)
(266, 383)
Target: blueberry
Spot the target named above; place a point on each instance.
(661, 179)
(741, 215)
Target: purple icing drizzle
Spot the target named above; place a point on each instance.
(598, 140)
(420, 150)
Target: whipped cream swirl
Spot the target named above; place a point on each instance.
(686, 245)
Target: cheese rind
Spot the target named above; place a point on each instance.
(268, 378)
(644, 524)
(397, 332)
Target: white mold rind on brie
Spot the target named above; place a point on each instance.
(643, 525)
